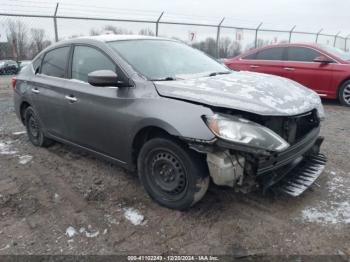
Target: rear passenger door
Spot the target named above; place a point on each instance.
(48, 89)
(304, 70)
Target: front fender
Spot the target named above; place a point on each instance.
(178, 118)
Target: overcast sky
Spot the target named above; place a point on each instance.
(332, 15)
(308, 15)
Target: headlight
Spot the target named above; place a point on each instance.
(245, 132)
(320, 111)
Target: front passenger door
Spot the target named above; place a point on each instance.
(302, 69)
(94, 114)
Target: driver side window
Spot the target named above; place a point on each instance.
(86, 60)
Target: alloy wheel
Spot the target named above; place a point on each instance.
(346, 94)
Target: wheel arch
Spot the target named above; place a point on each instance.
(24, 105)
(341, 84)
(148, 132)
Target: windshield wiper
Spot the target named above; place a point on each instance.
(168, 78)
(219, 73)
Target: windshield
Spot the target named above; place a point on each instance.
(336, 52)
(166, 60)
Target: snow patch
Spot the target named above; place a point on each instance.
(70, 231)
(5, 247)
(19, 133)
(88, 234)
(334, 210)
(25, 159)
(6, 148)
(334, 214)
(133, 215)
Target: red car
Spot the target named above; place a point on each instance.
(322, 68)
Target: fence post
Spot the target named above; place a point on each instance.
(256, 35)
(335, 38)
(318, 33)
(55, 23)
(218, 38)
(157, 23)
(290, 33)
(346, 42)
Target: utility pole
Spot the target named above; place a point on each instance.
(55, 23)
(318, 33)
(256, 34)
(218, 38)
(157, 23)
(290, 33)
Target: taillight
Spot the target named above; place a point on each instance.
(13, 82)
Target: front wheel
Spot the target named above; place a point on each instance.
(344, 94)
(172, 175)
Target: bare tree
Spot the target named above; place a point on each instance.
(224, 47)
(236, 49)
(146, 31)
(117, 30)
(94, 31)
(208, 46)
(17, 37)
(38, 41)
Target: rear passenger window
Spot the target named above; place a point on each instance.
(250, 57)
(55, 62)
(87, 60)
(275, 53)
(302, 54)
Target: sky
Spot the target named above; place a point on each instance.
(308, 15)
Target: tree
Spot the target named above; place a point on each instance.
(146, 31)
(208, 46)
(117, 30)
(236, 49)
(94, 31)
(38, 41)
(224, 47)
(17, 37)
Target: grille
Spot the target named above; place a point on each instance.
(293, 128)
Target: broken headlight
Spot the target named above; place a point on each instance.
(245, 132)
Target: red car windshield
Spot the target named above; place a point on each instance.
(336, 52)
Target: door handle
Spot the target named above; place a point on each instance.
(35, 90)
(254, 66)
(289, 68)
(71, 98)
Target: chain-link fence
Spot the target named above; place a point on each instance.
(22, 36)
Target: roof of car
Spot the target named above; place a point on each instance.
(113, 37)
(314, 45)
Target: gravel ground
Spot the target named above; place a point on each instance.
(63, 201)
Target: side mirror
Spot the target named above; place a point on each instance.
(322, 60)
(103, 78)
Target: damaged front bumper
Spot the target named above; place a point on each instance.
(291, 171)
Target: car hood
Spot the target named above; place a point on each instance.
(246, 91)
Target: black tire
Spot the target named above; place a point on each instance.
(344, 93)
(173, 176)
(34, 130)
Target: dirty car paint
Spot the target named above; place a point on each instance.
(252, 92)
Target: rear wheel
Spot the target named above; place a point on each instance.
(34, 130)
(172, 175)
(344, 94)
